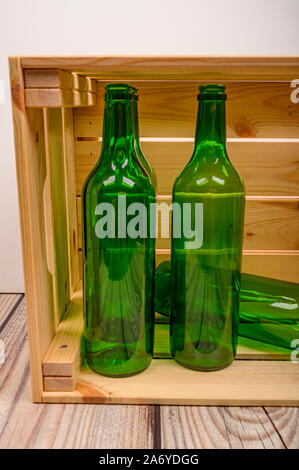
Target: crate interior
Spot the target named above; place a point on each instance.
(263, 144)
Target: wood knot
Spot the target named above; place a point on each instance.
(243, 129)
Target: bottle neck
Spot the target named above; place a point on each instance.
(117, 127)
(211, 125)
(135, 121)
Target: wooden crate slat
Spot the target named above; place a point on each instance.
(259, 164)
(55, 207)
(173, 67)
(170, 109)
(269, 225)
(282, 265)
(250, 383)
(70, 195)
(57, 97)
(56, 78)
(48, 78)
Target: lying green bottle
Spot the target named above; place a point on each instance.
(206, 248)
(269, 308)
(118, 254)
(143, 161)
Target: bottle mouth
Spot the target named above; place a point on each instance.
(118, 92)
(212, 92)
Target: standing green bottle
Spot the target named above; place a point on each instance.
(144, 162)
(207, 245)
(118, 253)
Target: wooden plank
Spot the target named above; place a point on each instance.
(63, 355)
(282, 265)
(169, 109)
(175, 67)
(186, 427)
(70, 195)
(7, 303)
(48, 78)
(66, 384)
(269, 225)
(57, 97)
(250, 383)
(24, 425)
(57, 78)
(268, 169)
(55, 205)
(31, 173)
(286, 421)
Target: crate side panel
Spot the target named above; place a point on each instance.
(31, 174)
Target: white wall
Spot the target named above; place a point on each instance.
(219, 27)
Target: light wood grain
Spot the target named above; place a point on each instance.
(63, 356)
(169, 110)
(175, 67)
(55, 204)
(282, 265)
(70, 197)
(57, 97)
(268, 169)
(186, 427)
(56, 78)
(26, 425)
(251, 383)
(7, 301)
(31, 173)
(286, 421)
(269, 225)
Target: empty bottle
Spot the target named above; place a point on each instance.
(207, 241)
(118, 253)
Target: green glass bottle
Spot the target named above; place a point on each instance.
(144, 162)
(269, 308)
(118, 254)
(207, 245)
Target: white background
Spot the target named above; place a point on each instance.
(216, 27)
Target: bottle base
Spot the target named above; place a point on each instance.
(116, 363)
(204, 369)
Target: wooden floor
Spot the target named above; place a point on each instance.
(27, 425)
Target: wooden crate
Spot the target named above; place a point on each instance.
(57, 110)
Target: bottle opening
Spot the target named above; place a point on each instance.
(117, 91)
(212, 92)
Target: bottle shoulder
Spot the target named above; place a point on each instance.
(112, 178)
(209, 172)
